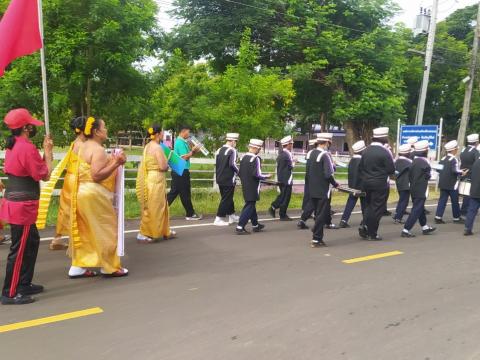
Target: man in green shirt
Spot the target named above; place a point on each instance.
(181, 184)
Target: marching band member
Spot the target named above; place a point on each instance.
(320, 177)
(63, 217)
(307, 207)
(285, 165)
(419, 175)
(375, 168)
(402, 167)
(250, 176)
(94, 229)
(467, 157)
(181, 185)
(354, 182)
(474, 204)
(19, 208)
(152, 190)
(226, 170)
(448, 184)
(412, 141)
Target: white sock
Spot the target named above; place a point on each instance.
(405, 231)
(425, 227)
(239, 228)
(76, 271)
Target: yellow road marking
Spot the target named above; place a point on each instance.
(372, 257)
(50, 319)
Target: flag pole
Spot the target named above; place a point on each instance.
(44, 70)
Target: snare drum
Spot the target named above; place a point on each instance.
(464, 188)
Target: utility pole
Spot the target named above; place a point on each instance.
(428, 62)
(470, 82)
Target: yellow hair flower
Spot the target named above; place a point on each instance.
(89, 125)
(150, 131)
(77, 131)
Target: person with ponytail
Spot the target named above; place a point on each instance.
(94, 223)
(151, 190)
(63, 219)
(25, 168)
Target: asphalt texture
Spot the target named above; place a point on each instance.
(210, 294)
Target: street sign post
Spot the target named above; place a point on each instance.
(422, 132)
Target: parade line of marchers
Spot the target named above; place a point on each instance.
(91, 200)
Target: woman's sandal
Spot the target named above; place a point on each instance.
(57, 245)
(119, 273)
(86, 274)
(172, 235)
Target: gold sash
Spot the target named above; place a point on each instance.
(141, 182)
(47, 189)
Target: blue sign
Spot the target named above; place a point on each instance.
(422, 132)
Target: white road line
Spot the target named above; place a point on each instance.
(211, 224)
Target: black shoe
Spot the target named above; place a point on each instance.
(343, 225)
(459, 221)
(387, 213)
(31, 289)
(241, 232)
(468, 233)
(429, 230)
(285, 218)
(19, 299)
(362, 231)
(398, 221)
(271, 211)
(258, 228)
(407, 234)
(331, 226)
(194, 217)
(439, 221)
(317, 243)
(301, 225)
(374, 238)
(406, 213)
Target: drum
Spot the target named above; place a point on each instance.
(464, 188)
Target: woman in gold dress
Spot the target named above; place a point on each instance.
(93, 237)
(151, 191)
(63, 217)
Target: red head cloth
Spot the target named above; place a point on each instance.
(19, 31)
(17, 118)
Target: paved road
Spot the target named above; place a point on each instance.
(212, 295)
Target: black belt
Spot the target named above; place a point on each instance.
(22, 188)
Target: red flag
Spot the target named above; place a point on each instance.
(19, 31)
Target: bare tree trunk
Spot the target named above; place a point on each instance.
(88, 97)
(323, 122)
(350, 134)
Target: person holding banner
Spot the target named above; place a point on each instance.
(307, 206)
(94, 228)
(151, 190)
(467, 158)
(402, 167)
(474, 204)
(25, 168)
(181, 184)
(63, 218)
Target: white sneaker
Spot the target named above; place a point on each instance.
(220, 222)
(141, 237)
(233, 219)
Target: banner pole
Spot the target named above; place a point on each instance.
(44, 70)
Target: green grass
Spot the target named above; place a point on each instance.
(206, 202)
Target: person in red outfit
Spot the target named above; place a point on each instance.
(24, 168)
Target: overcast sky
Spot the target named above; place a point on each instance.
(410, 8)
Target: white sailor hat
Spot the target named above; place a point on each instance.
(412, 140)
(256, 143)
(451, 145)
(472, 138)
(421, 145)
(286, 140)
(312, 142)
(358, 146)
(380, 132)
(324, 137)
(405, 149)
(232, 136)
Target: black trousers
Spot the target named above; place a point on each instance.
(322, 216)
(417, 213)
(249, 212)
(283, 199)
(375, 205)
(21, 259)
(181, 186)
(226, 206)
